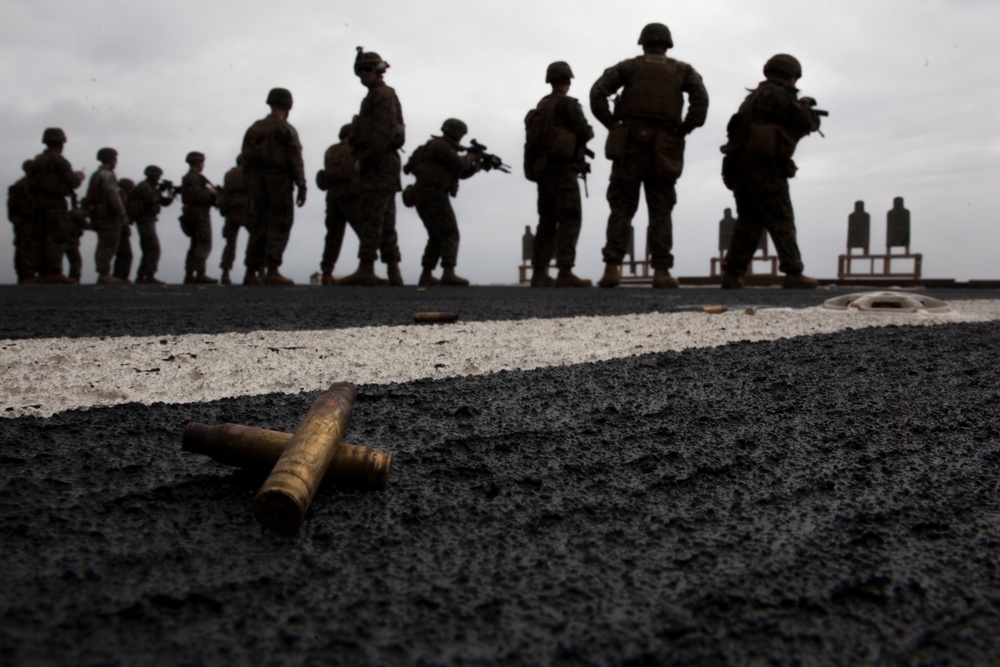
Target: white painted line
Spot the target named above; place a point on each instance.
(46, 376)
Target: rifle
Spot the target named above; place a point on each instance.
(486, 160)
(583, 168)
(167, 187)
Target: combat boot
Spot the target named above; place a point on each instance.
(327, 278)
(149, 280)
(799, 281)
(566, 278)
(731, 281)
(364, 276)
(252, 279)
(449, 278)
(203, 279)
(107, 279)
(225, 280)
(540, 277)
(395, 277)
(662, 279)
(274, 277)
(427, 279)
(57, 279)
(612, 276)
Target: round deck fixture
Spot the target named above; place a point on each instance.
(887, 302)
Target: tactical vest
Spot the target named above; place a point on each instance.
(96, 200)
(267, 145)
(146, 200)
(653, 92)
(338, 164)
(44, 179)
(430, 174)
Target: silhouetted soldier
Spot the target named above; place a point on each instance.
(338, 180)
(377, 134)
(51, 180)
(646, 145)
(148, 201)
(557, 136)
(21, 213)
(107, 214)
(123, 257)
(438, 167)
(272, 165)
(198, 197)
(234, 205)
(763, 135)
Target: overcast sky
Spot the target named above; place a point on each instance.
(910, 86)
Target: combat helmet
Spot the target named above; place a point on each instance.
(106, 155)
(194, 157)
(454, 128)
(656, 33)
(280, 97)
(152, 171)
(368, 61)
(53, 135)
(783, 63)
(345, 131)
(558, 71)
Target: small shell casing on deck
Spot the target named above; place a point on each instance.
(283, 500)
(434, 317)
(353, 466)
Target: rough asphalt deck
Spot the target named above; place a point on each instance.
(827, 499)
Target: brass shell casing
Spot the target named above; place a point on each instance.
(353, 466)
(284, 499)
(434, 317)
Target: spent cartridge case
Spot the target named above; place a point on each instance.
(284, 499)
(353, 466)
(434, 317)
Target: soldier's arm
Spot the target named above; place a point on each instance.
(295, 158)
(71, 178)
(697, 99)
(606, 86)
(194, 192)
(779, 104)
(571, 114)
(383, 125)
(113, 194)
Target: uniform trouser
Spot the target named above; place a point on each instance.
(149, 243)
(123, 258)
(28, 258)
(340, 211)
(435, 211)
(230, 232)
(73, 256)
(638, 169)
(201, 245)
(272, 214)
(377, 226)
(108, 236)
(559, 214)
(54, 227)
(757, 211)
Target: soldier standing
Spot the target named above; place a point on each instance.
(337, 178)
(50, 180)
(272, 164)
(758, 162)
(107, 213)
(557, 136)
(378, 133)
(646, 145)
(234, 205)
(438, 167)
(123, 257)
(148, 201)
(198, 197)
(21, 213)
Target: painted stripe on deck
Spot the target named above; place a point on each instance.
(46, 376)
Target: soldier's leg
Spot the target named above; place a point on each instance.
(280, 218)
(389, 243)
(123, 256)
(569, 213)
(149, 244)
(428, 208)
(371, 216)
(73, 257)
(545, 234)
(779, 221)
(746, 233)
(255, 257)
(336, 224)
(230, 232)
(661, 196)
(203, 247)
(55, 228)
(108, 235)
(448, 233)
(623, 198)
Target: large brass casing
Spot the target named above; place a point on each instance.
(284, 499)
(353, 466)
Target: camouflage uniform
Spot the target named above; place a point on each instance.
(77, 222)
(50, 180)
(272, 165)
(760, 182)
(196, 220)
(650, 113)
(147, 208)
(438, 167)
(559, 206)
(234, 205)
(107, 214)
(341, 201)
(377, 135)
(123, 257)
(21, 213)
